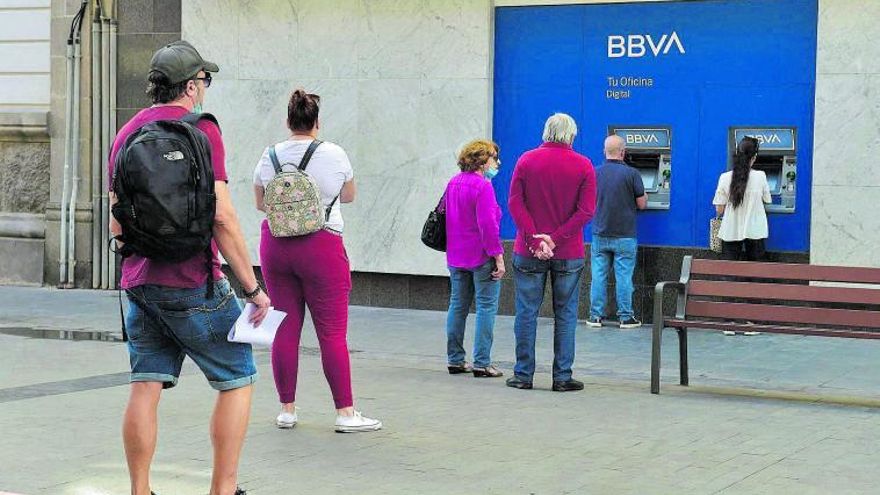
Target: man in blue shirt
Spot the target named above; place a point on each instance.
(620, 192)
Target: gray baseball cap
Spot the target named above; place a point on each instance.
(180, 61)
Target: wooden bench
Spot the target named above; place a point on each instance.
(765, 297)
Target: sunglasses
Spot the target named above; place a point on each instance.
(207, 79)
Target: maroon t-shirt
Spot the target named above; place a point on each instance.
(192, 273)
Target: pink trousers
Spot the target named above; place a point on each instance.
(311, 271)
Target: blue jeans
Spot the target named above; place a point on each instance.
(165, 324)
(530, 275)
(466, 284)
(622, 250)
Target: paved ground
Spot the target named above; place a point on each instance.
(61, 401)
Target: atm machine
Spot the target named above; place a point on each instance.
(777, 158)
(649, 150)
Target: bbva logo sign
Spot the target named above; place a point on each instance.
(639, 45)
(772, 138)
(642, 139)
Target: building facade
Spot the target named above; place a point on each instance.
(405, 83)
(24, 138)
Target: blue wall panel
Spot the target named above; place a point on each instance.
(745, 63)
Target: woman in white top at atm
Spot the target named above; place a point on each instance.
(740, 198)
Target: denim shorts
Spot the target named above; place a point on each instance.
(165, 324)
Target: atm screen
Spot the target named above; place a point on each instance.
(773, 181)
(649, 178)
(647, 165)
(772, 167)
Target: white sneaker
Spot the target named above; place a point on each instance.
(286, 420)
(729, 332)
(352, 424)
(751, 334)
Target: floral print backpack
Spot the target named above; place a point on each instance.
(293, 199)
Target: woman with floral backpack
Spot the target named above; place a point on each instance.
(300, 183)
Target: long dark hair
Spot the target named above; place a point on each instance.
(302, 111)
(746, 150)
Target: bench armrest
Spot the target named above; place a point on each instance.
(679, 287)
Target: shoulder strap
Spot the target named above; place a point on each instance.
(193, 119)
(441, 205)
(329, 208)
(274, 158)
(308, 156)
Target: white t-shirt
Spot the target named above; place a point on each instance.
(748, 221)
(329, 166)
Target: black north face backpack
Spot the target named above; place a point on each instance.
(164, 182)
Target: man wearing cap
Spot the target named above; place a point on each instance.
(170, 315)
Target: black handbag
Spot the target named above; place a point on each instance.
(434, 231)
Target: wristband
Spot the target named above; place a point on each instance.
(253, 293)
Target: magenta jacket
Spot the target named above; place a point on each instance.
(553, 191)
(472, 221)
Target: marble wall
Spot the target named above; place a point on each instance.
(846, 159)
(406, 82)
(403, 84)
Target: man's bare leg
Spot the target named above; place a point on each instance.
(139, 431)
(228, 428)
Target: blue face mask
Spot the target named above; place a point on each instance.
(197, 106)
(490, 173)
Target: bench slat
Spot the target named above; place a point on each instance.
(819, 332)
(786, 271)
(791, 314)
(783, 292)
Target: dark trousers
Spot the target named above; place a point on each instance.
(745, 250)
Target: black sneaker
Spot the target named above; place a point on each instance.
(594, 322)
(630, 323)
(519, 383)
(568, 386)
(239, 491)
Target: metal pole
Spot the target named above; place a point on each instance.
(74, 166)
(97, 166)
(111, 257)
(105, 143)
(62, 269)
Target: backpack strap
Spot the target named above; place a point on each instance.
(308, 156)
(274, 157)
(193, 119)
(327, 211)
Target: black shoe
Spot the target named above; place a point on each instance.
(568, 386)
(594, 322)
(457, 369)
(487, 372)
(239, 491)
(630, 323)
(519, 383)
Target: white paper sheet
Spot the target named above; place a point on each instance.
(243, 331)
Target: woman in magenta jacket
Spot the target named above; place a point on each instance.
(474, 256)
